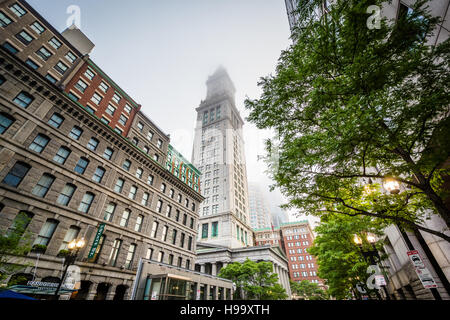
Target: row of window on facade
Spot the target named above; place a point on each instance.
(300, 258)
(214, 114)
(27, 36)
(302, 266)
(305, 274)
(298, 243)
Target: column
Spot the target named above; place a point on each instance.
(111, 292)
(92, 291)
(214, 269)
(202, 268)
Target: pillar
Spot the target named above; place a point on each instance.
(92, 291)
(214, 268)
(111, 292)
(202, 268)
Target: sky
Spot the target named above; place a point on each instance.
(161, 53)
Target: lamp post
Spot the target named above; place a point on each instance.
(391, 185)
(74, 247)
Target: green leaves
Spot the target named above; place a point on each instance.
(351, 103)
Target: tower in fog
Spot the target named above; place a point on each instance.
(219, 154)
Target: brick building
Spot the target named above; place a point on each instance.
(72, 167)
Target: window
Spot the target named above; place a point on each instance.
(188, 264)
(56, 120)
(160, 256)
(23, 99)
(46, 232)
(37, 27)
(127, 108)
(119, 185)
(204, 231)
(149, 253)
(55, 43)
(61, 67)
(164, 233)
(16, 174)
(112, 260)
(86, 202)
(180, 261)
(150, 135)
(125, 218)
(4, 20)
(177, 215)
(174, 236)
(140, 126)
(150, 179)
(71, 57)
(110, 109)
(50, 78)
(182, 240)
(119, 131)
(8, 46)
(126, 165)
(132, 193)
(168, 211)
(72, 233)
(146, 149)
(138, 225)
(215, 229)
(135, 141)
(20, 223)
(89, 74)
(39, 143)
(123, 120)
(43, 185)
(76, 133)
(156, 157)
(215, 208)
(130, 256)
(66, 194)
(159, 206)
(170, 259)
(109, 212)
(96, 98)
(108, 153)
(18, 10)
(44, 54)
(103, 86)
(190, 243)
(184, 219)
(104, 120)
(145, 198)
(192, 223)
(81, 165)
(24, 37)
(62, 155)
(93, 144)
(154, 229)
(159, 144)
(139, 173)
(2, 79)
(98, 174)
(81, 85)
(116, 98)
(179, 198)
(163, 187)
(5, 122)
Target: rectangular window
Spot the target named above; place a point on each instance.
(164, 233)
(154, 229)
(98, 174)
(132, 193)
(81, 85)
(81, 165)
(159, 206)
(37, 27)
(126, 165)
(119, 185)
(18, 10)
(66, 194)
(56, 120)
(104, 120)
(93, 144)
(4, 20)
(138, 225)
(50, 78)
(23, 99)
(123, 120)
(46, 232)
(43, 185)
(8, 46)
(44, 53)
(159, 143)
(145, 198)
(112, 260)
(160, 256)
(130, 256)
(5, 122)
(55, 43)
(76, 133)
(62, 155)
(71, 57)
(174, 236)
(215, 229)
(71, 234)
(140, 126)
(61, 67)
(150, 179)
(182, 240)
(204, 231)
(110, 109)
(108, 153)
(127, 108)
(24, 37)
(109, 212)
(89, 74)
(116, 97)
(86, 202)
(150, 135)
(39, 143)
(96, 98)
(125, 218)
(190, 244)
(168, 211)
(103, 86)
(139, 173)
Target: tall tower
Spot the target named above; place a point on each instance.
(219, 154)
(260, 216)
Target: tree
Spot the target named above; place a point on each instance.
(14, 242)
(256, 280)
(308, 290)
(353, 105)
(340, 260)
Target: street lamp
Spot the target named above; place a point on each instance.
(391, 185)
(74, 247)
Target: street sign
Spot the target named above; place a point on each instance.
(98, 236)
(422, 272)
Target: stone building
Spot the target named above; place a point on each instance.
(79, 160)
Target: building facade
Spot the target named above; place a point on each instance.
(219, 155)
(267, 236)
(296, 238)
(260, 216)
(70, 174)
